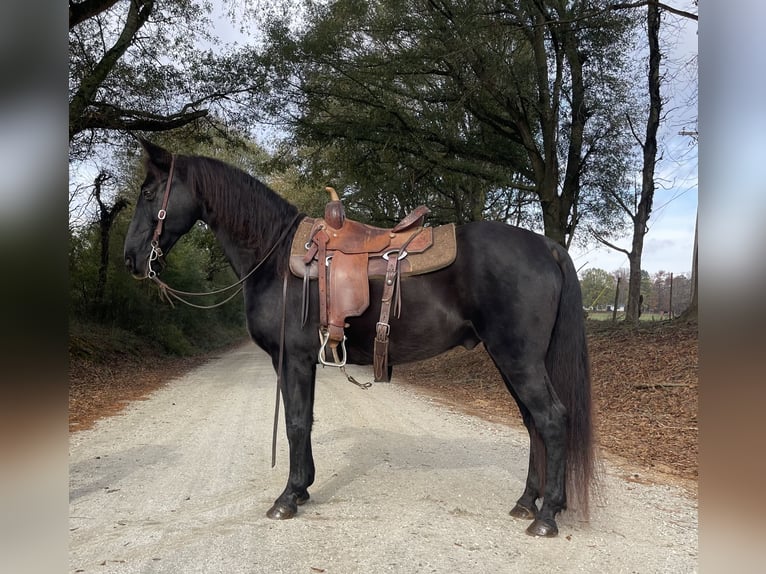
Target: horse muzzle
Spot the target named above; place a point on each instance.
(139, 271)
(135, 271)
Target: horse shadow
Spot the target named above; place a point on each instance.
(104, 471)
(375, 454)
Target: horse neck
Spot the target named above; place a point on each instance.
(247, 218)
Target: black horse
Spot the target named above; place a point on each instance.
(513, 290)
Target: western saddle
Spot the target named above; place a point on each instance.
(342, 255)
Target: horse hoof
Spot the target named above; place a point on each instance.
(520, 511)
(281, 512)
(543, 528)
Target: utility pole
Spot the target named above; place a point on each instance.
(670, 298)
(691, 310)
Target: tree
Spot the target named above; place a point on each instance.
(657, 301)
(597, 287)
(460, 102)
(641, 210)
(663, 284)
(137, 65)
(106, 75)
(682, 291)
(107, 216)
(640, 215)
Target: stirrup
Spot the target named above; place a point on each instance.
(339, 360)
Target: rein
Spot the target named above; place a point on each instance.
(168, 292)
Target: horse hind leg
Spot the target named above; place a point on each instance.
(526, 505)
(545, 418)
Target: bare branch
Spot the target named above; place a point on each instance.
(633, 131)
(641, 3)
(623, 205)
(107, 116)
(601, 239)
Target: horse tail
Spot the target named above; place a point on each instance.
(568, 367)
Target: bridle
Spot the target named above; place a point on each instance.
(156, 252)
(168, 292)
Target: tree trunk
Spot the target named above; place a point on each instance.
(107, 216)
(553, 226)
(644, 208)
(579, 117)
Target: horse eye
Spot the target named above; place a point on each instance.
(148, 192)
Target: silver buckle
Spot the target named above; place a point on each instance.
(401, 255)
(386, 325)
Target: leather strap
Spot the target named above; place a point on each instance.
(383, 328)
(280, 372)
(163, 210)
(321, 239)
(391, 288)
(306, 297)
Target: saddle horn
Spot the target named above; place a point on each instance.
(334, 214)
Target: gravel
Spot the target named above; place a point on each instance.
(181, 481)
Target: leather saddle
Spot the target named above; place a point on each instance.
(342, 255)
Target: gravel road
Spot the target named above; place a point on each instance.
(180, 483)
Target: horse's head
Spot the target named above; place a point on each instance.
(166, 209)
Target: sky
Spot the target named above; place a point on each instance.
(669, 243)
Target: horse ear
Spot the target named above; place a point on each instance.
(155, 155)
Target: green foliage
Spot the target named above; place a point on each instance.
(145, 66)
(173, 340)
(471, 108)
(136, 306)
(597, 288)
(646, 284)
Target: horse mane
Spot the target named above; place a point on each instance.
(253, 214)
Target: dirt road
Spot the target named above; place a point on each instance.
(181, 482)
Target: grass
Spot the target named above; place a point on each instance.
(607, 316)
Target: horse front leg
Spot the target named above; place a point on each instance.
(298, 399)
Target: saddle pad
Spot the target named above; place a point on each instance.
(441, 253)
